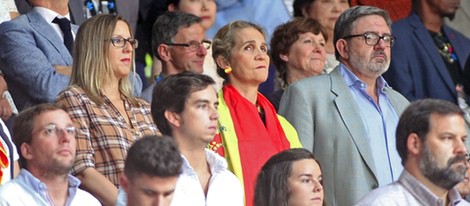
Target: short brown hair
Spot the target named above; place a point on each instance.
(286, 35)
(24, 124)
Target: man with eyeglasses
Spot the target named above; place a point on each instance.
(178, 42)
(430, 139)
(45, 138)
(429, 58)
(348, 117)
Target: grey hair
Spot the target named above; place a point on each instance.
(167, 25)
(345, 23)
(224, 41)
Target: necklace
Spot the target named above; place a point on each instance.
(445, 48)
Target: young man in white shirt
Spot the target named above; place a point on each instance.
(184, 106)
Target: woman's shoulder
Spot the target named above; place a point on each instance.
(73, 89)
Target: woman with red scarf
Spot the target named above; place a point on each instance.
(250, 131)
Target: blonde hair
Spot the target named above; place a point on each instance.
(91, 65)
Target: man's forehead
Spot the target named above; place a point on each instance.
(374, 23)
(189, 32)
(52, 117)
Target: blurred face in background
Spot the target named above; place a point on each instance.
(205, 9)
(307, 54)
(184, 59)
(326, 11)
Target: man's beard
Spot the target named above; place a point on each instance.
(446, 177)
(371, 67)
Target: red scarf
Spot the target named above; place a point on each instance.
(256, 142)
(3, 160)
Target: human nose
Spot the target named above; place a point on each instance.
(63, 135)
(260, 54)
(381, 44)
(128, 47)
(337, 7)
(318, 187)
(204, 5)
(214, 114)
(460, 148)
(201, 50)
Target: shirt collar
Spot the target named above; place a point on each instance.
(26, 177)
(49, 15)
(353, 81)
(423, 194)
(216, 163)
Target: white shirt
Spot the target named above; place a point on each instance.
(49, 16)
(409, 191)
(224, 188)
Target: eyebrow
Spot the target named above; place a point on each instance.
(307, 175)
(204, 101)
(310, 175)
(253, 41)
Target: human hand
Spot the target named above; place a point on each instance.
(5, 109)
(65, 70)
(3, 85)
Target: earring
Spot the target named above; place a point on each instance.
(228, 70)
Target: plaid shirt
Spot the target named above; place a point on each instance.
(103, 136)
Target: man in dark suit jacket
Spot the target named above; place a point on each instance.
(429, 56)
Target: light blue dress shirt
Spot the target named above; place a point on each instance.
(27, 190)
(381, 122)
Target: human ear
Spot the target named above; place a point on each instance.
(164, 52)
(284, 57)
(222, 62)
(413, 144)
(173, 118)
(26, 151)
(342, 48)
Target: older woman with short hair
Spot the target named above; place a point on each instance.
(250, 129)
(298, 51)
(326, 13)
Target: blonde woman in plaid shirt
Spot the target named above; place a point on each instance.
(100, 102)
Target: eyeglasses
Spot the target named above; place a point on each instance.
(120, 42)
(53, 130)
(193, 45)
(372, 38)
